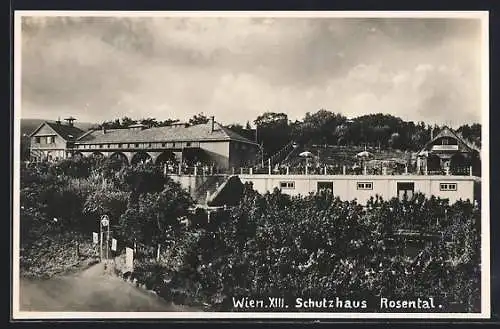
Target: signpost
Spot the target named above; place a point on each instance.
(129, 259)
(104, 223)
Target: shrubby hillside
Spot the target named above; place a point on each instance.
(272, 244)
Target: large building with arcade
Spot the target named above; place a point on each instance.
(205, 143)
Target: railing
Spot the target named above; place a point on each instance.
(197, 170)
(183, 170)
(312, 170)
(284, 151)
(348, 170)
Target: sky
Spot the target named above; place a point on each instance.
(236, 68)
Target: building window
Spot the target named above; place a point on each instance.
(136, 144)
(119, 145)
(188, 144)
(50, 140)
(163, 144)
(37, 140)
(365, 186)
(448, 186)
(149, 145)
(100, 146)
(289, 185)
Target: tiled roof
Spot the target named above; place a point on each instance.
(235, 136)
(201, 132)
(65, 131)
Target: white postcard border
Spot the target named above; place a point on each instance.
(485, 216)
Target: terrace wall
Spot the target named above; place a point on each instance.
(346, 186)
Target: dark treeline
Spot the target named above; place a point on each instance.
(124, 122)
(377, 130)
(274, 130)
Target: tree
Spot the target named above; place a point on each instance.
(144, 178)
(320, 127)
(105, 201)
(155, 219)
(110, 125)
(25, 148)
(126, 121)
(150, 122)
(395, 140)
(471, 133)
(198, 119)
(273, 131)
(168, 122)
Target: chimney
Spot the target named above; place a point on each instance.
(58, 120)
(103, 130)
(70, 121)
(212, 123)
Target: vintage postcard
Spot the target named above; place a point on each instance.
(263, 165)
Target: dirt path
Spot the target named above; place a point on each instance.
(90, 290)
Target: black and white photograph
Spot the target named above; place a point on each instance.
(271, 165)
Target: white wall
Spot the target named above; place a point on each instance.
(345, 186)
(218, 152)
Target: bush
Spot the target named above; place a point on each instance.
(155, 217)
(317, 245)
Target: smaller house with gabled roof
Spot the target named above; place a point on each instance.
(53, 140)
(449, 151)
